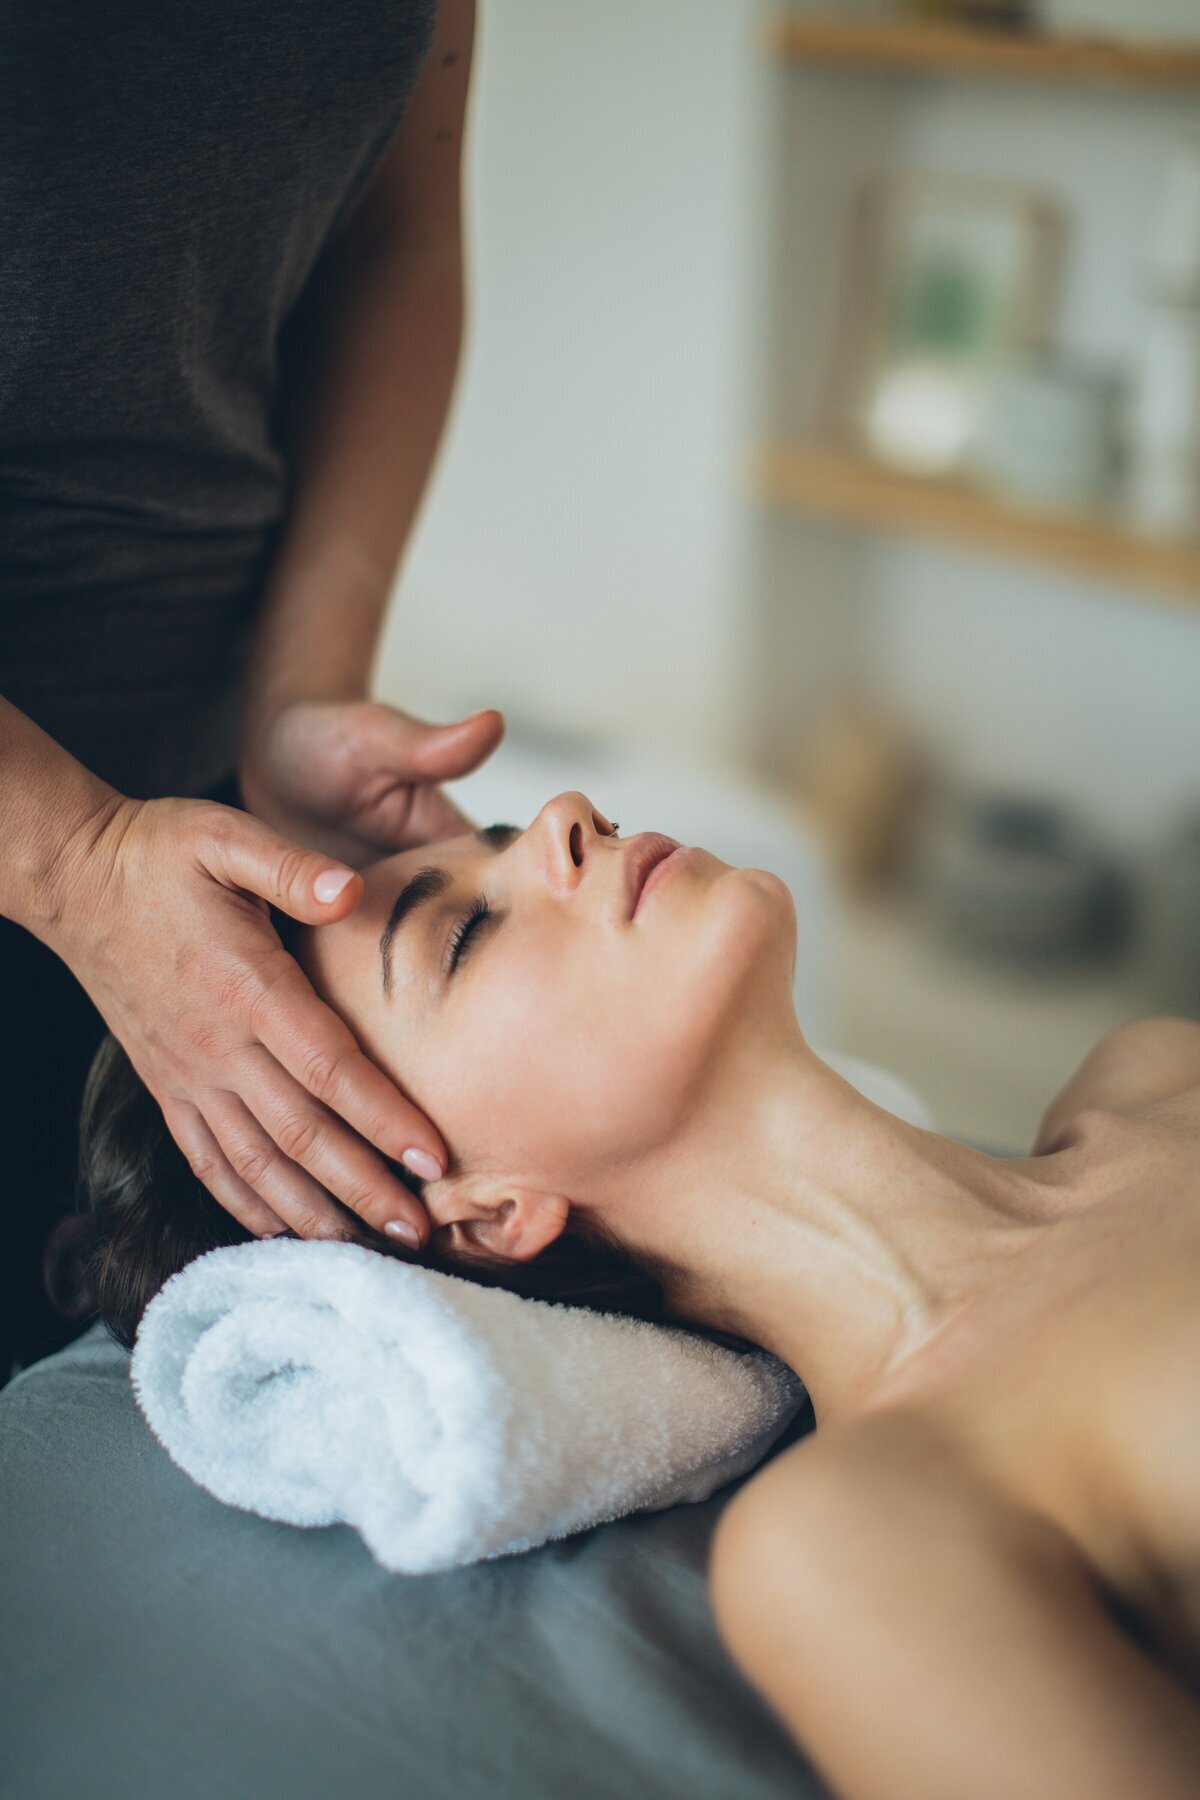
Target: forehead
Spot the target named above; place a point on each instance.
(383, 880)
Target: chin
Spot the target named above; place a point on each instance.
(749, 935)
(760, 905)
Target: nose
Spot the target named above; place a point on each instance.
(566, 832)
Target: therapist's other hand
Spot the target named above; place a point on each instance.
(358, 778)
(262, 1086)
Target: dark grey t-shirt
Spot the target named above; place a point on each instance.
(170, 171)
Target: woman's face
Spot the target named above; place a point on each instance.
(555, 999)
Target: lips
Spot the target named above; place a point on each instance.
(644, 854)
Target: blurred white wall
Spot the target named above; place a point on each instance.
(587, 557)
(579, 559)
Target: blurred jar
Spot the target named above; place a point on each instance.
(1165, 427)
(1050, 432)
(1014, 879)
(1169, 922)
(1168, 21)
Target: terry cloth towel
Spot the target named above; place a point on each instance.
(317, 1383)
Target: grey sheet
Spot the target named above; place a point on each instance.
(155, 1643)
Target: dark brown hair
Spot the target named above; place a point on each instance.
(143, 1215)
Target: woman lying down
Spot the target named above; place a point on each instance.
(980, 1576)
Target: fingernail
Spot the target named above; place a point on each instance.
(329, 885)
(422, 1164)
(400, 1228)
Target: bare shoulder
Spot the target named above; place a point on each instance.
(1129, 1069)
(826, 1517)
(920, 1632)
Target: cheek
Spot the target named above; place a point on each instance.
(518, 1060)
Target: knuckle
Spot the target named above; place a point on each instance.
(313, 1224)
(252, 1161)
(202, 1040)
(268, 991)
(299, 1135)
(206, 1166)
(361, 1195)
(323, 1074)
(238, 990)
(289, 870)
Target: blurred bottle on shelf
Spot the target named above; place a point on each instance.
(1050, 433)
(1164, 490)
(986, 15)
(1164, 21)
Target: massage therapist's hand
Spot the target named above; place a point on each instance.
(262, 1085)
(358, 778)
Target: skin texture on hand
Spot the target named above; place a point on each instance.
(358, 778)
(261, 1084)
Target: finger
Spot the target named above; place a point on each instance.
(319, 1050)
(295, 1198)
(333, 1155)
(244, 853)
(210, 1166)
(442, 752)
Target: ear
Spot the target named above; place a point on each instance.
(486, 1215)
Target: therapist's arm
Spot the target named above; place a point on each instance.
(370, 360)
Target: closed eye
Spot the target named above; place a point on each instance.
(466, 933)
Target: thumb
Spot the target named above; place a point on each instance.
(303, 883)
(442, 752)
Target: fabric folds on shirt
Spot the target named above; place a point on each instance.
(170, 173)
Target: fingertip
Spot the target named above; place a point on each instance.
(331, 884)
(422, 1164)
(404, 1233)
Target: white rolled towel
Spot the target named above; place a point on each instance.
(318, 1383)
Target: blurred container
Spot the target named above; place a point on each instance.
(1165, 424)
(1050, 434)
(1168, 21)
(859, 781)
(1169, 923)
(989, 15)
(1015, 879)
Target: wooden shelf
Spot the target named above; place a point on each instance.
(836, 484)
(915, 49)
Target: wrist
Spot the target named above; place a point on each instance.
(53, 807)
(80, 874)
(267, 715)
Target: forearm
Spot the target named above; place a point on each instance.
(52, 807)
(376, 355)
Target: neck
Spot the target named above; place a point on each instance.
(794, 1212)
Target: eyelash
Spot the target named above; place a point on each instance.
(463, 933)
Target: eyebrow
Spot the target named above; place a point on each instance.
(429, 884)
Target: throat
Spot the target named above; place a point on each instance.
(848, 1241)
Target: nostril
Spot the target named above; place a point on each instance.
(576, 845)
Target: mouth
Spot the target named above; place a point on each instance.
(644, 855)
